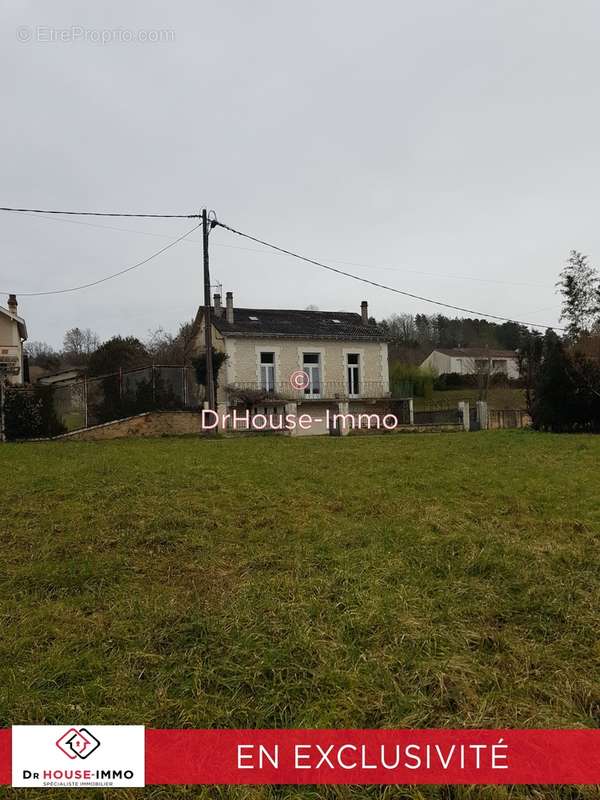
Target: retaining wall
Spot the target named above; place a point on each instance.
(150, 423)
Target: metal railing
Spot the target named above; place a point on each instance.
(325, 390)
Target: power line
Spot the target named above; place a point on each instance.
(111, 228)
(100, 213)
(114, 275)
(255, 250)
(382, 285)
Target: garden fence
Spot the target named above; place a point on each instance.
(92, 401)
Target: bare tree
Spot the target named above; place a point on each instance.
(482, 369)
(41, 354)
(79, 344)
(401, 328)
(164, 348)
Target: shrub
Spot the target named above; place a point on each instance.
(218, 359)
(29, 413)
(408, 379)
(454, 380)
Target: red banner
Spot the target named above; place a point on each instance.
(372, 756)
(364, 756)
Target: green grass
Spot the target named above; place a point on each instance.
(384, 581)
(74, 420)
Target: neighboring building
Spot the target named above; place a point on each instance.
(472, 360)
(62, 377)
(343, 354)
(13, 332)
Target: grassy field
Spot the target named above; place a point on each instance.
(385, 581)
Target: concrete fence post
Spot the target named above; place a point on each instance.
(341, 429)
(482, 414)
(221, 411)
(463, 407)
(411, 411)
(85, 399)
(292, 410)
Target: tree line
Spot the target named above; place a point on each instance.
(413, 336)
(82, 348)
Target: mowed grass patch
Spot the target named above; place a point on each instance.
(385, 581)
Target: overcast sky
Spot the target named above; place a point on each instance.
(446, 148)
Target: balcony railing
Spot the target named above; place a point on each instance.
(326, 390)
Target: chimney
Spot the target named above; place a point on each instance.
(217, 305)
(364, 312)
(229, 307)
(12, 304)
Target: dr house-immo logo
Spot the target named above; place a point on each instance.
(78, 743)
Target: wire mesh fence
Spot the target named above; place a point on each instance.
(437, 412)
(508, 418)
(92, 401)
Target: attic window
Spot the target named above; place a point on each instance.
(336, 320)
(254, 319)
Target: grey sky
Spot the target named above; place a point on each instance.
(437, 141)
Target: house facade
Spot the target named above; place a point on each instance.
(472, 360)
(320, 360)
(13, 332)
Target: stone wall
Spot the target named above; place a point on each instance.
(179, 423)
(151, 423)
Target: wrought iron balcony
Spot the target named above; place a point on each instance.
(249, 392)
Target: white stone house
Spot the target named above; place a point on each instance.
(472, 360)
(13, 332)
(343, 354)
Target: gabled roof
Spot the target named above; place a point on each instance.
(294, 324)
(19, 320)
(474, 352)
(67, 374)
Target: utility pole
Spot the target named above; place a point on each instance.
(210, 385)
(2, 417)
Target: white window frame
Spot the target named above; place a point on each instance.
(308, 368)
(357, 370)
(259, 350)
(267, 372)
(500, 366)
(362, 361)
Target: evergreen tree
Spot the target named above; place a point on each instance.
(580, 289)
(118, 353)
(553, 406)
(529, 358)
